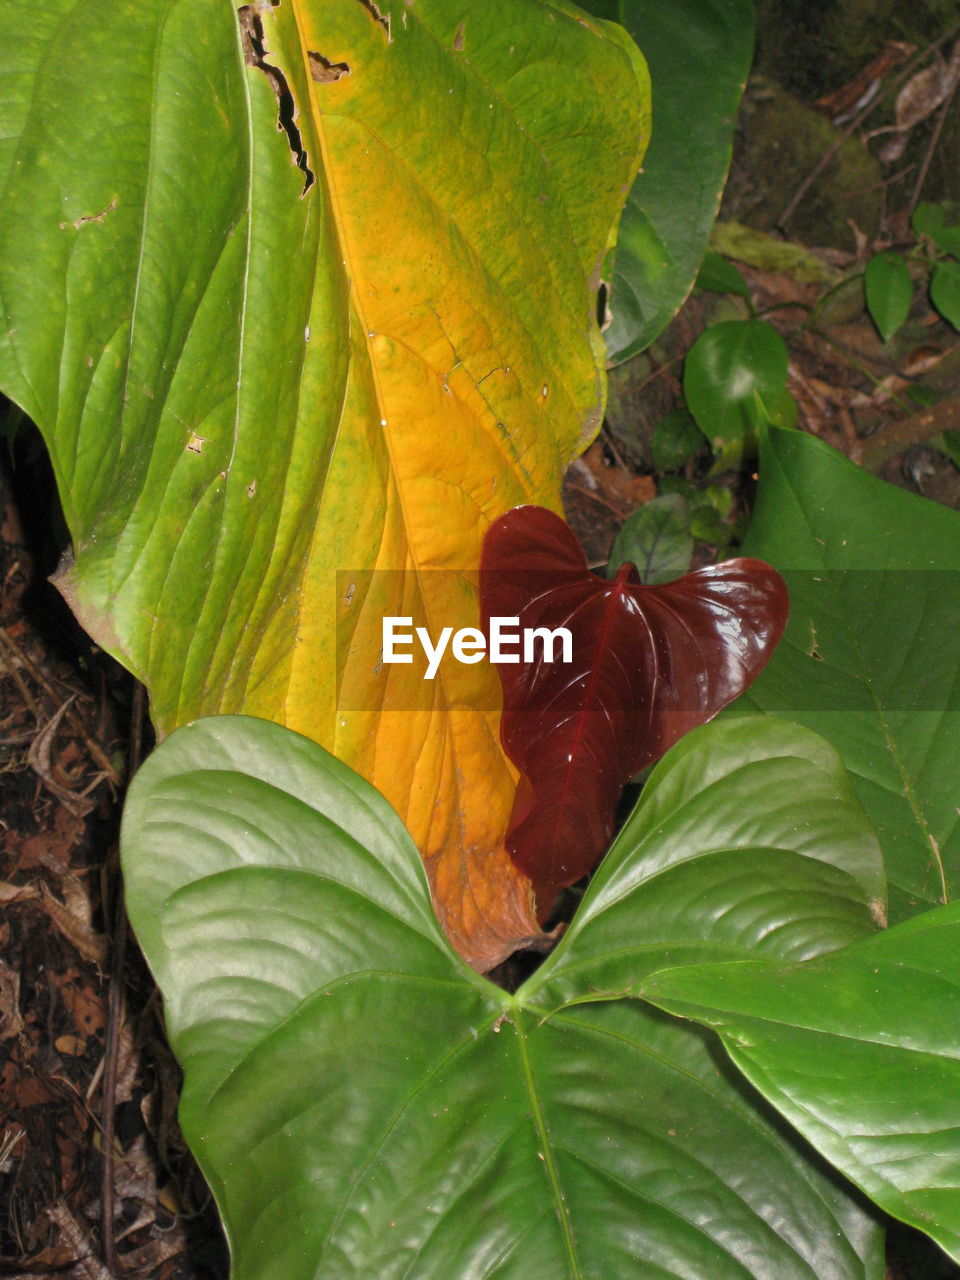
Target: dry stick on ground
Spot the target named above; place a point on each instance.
(932, 145)
(595, 496)
(9, 657)
(609, 441)
(12, 652)
(858, 360)
(115, 1008)
(849, 129)
(899, 434)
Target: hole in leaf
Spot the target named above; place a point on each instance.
(603, 314)
(324, 71)
(378, 17)
(254, 55)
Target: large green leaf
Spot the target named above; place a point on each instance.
(314, 291)
(861, 1051)
(699, 54)
(871, 654)
(365, 1105)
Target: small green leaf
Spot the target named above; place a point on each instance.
(733, 373)
(698, 52)
(945, 291)
(676, 441)
(931, 220)
(656, 538)
(718, 275)
(861, 1051)
(923, 397)
(709, 508)
(871, 654)
(948, 442)
(889, 292)
(363, 1105)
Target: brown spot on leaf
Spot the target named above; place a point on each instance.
(91, 217)
(459, 39)
(324, 71)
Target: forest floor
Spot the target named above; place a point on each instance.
(95, 1181)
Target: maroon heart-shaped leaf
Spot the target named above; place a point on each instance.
(646, 664)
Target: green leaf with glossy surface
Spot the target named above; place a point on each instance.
(889, 292)
(861, 1051)
(365, 1105)
(734, 378)
(698, 52)
(871, 654)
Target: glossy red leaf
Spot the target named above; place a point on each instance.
(648, 664)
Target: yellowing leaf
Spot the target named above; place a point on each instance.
(302, 302)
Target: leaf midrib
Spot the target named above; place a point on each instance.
(546, 1149)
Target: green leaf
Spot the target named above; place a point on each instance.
(931, 220)
(860, 1050)
(365, 1105)
(945, 291)
(948, 442)
(656, 539)
(676, 441)
(718, 275)
(871, 654)
(698, 52)
(734, 374)
(303, 288)
(889, 292)
(709, 509)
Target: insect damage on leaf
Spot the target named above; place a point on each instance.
(254, 55)
(648, 664)
(324, 71)
(379, 18)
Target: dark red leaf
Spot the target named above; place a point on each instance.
(648, 664)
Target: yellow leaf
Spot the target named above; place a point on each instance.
(352, 249)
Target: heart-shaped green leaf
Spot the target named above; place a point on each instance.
(871, 654)
(699, 55)
(861, 1051)
(365, 1105)
(734, 378)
